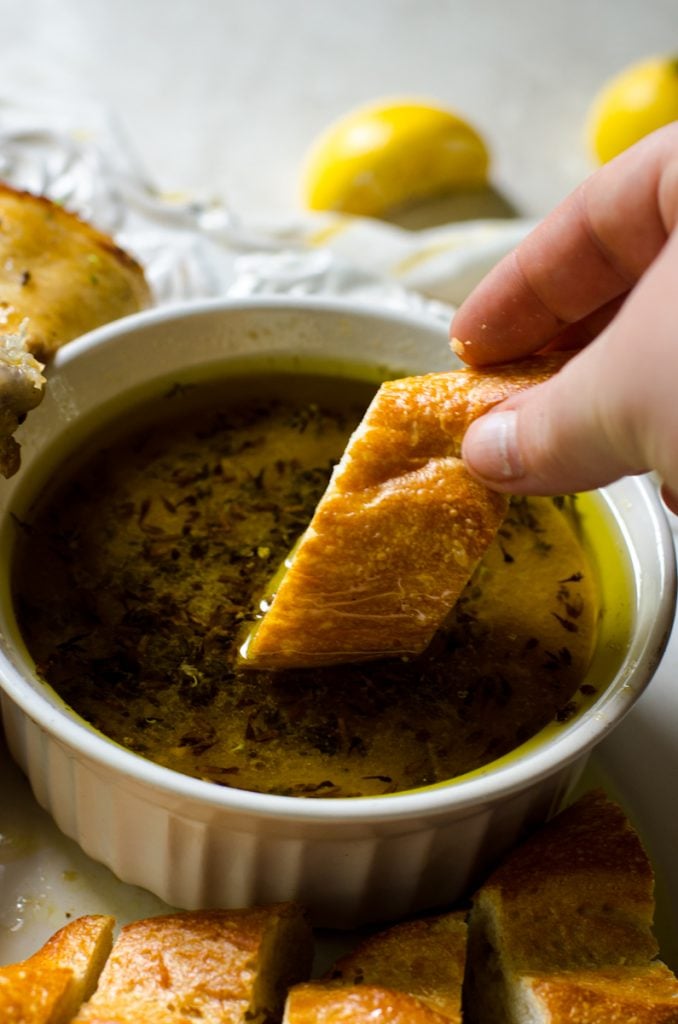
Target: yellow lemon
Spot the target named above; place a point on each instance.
(634, 103)
(390, 154)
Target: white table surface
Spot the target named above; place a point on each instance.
(221, 98)
(224, 96)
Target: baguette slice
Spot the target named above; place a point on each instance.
(399, 530)
(646, 994)
(59, 277)
(49, 986)
(318, 1003)
(424, 958)
(566, 922)
(216, 967)
(410, 972)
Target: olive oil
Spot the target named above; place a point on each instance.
(136, 571)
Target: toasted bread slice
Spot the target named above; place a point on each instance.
(49, 986)
(318, 1003)
(423, 958)
(218, 967)
(569, 911)
(646, 994)
(59, 277)
(399, 530)
(411, 972)
(35, 995)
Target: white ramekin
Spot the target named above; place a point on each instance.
(197, 845)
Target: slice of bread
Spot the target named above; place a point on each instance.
(318, 1003)
(424, 958)
(644, 994)
(49, 986)
(59, 277)
(399, 530)
(566, 922)
(412, 971)
(216, 967)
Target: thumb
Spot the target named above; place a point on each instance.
(571, 433)
(611, 411)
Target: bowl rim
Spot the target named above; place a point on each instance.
(424, 318)
(487, 785)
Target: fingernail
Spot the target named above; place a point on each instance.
(491, 447)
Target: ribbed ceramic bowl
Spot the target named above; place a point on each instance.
(195, 844)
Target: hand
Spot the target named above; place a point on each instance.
(599, 274)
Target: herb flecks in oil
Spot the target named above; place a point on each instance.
(135, 577)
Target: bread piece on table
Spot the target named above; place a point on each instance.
(49, 986)
(424, 958)
(59, 277)
(646, 994)
(216, 967)
(318, 1003)
(411, 972)
(566, 919)
(399, 530)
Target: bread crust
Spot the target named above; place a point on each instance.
(622, 995)
(59, 276)
(411, 972)
(424, 958)
(219, 966)
(579, 893)
(49, 986)
(316, 1003)
(399, 530)
(562, 930)
(35, 994)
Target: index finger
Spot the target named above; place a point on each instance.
(586, 254)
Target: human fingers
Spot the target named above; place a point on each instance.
(580, 333)
(588, 253)
(670, 498)
(611, 411)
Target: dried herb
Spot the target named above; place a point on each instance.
(136, 576)
(567, 624)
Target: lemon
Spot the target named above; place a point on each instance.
(634, 103)
(389, 154)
